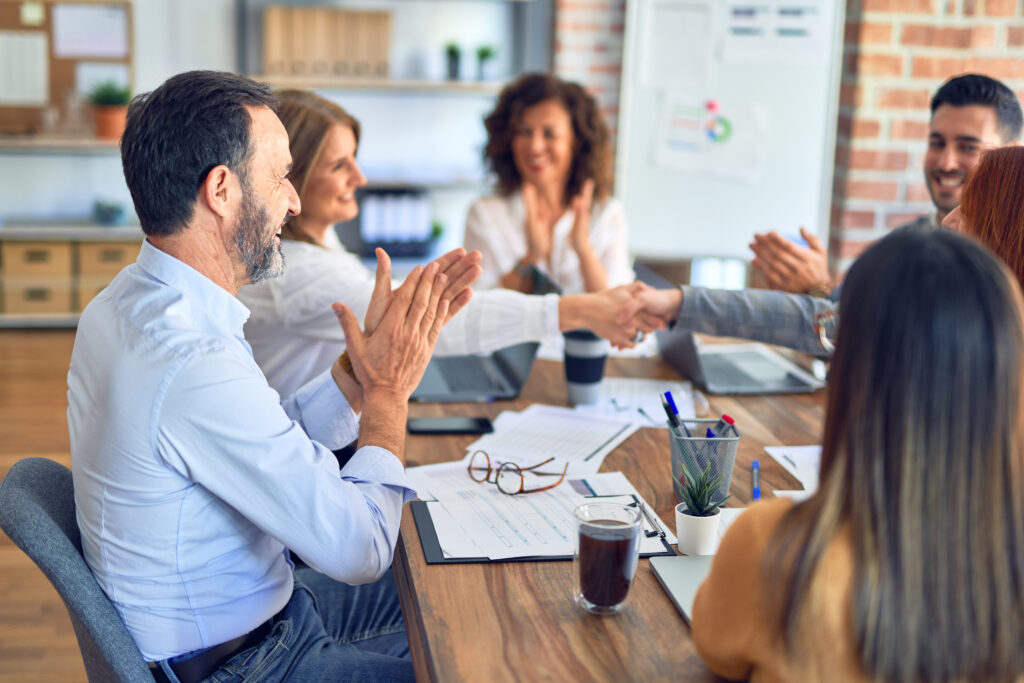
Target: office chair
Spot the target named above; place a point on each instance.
(37, 511)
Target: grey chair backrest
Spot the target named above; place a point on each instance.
(37, 511)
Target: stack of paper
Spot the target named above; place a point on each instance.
(803, 462)
(639, 400)
(541, 432)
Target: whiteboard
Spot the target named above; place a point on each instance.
(727, 122)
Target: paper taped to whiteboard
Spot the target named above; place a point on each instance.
(723, 138)
(774, 31)
(678, 50)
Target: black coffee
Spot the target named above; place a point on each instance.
(608, 557)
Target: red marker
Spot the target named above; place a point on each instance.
(725, 423)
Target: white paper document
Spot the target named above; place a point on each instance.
(803, 462)
(679, 43)
(90, 31)
(431, 481)
(723, 137)
(542, 432)
(728, 516)
(478, 520)
(639, 400)
(24, 69)
(774, 31)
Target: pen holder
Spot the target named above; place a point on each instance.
(699, 451)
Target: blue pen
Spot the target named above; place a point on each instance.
(710, 434)
(755, 481)
(675, 411)
(671, 402)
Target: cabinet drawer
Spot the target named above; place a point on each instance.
(36, 297)
(105, 259)
(37, 260)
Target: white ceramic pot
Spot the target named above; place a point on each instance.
(697, 535)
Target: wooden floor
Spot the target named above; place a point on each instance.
(36, 639)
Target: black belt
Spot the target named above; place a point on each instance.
(205, 663)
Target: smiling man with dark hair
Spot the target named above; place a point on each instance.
(969, 114)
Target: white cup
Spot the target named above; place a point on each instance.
(585, 355)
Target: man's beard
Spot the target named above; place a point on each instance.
(262, 260)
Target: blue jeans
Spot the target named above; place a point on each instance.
(328, 631)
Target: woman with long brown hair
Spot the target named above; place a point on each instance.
(907, 564)
(550, 151)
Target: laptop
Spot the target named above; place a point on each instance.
(500, 375)
(734, 368)
(748, 368)
(681, 576)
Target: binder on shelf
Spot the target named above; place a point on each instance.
(325, 41)
(399, 220)
(276, 29)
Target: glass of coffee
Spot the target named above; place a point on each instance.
(607, 549)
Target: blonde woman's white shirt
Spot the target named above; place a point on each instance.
(295, 335)
(497, 227)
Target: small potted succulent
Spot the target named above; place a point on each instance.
(485, 62)
(454, 54)
(110, 107)
(698, 516)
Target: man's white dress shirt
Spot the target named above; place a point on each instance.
(192, 476)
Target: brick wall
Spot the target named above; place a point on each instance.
(588, 49)
(895, 54)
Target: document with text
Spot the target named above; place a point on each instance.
(477, 520)
(539, 432)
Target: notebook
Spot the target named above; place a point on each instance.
(681, 576)
(500, 375)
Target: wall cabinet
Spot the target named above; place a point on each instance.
(48, 273)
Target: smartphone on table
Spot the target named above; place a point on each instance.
(450, 425)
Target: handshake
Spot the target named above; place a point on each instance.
(401, 325)
(623, 314)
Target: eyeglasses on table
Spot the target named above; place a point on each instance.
(508, 476)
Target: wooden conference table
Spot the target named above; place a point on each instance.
(517, 620)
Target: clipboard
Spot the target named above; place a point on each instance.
(434, 555)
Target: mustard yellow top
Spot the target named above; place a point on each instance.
(730, 629)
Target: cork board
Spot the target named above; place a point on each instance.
(72, 47)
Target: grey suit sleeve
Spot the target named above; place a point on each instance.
(759, 314)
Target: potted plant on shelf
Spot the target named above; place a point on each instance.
(110, 106)
(485, 62)
(698, 516)
(454, 54)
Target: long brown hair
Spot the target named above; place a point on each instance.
(592, 144)
(992, 205)
(922, 462)
(308, 118)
